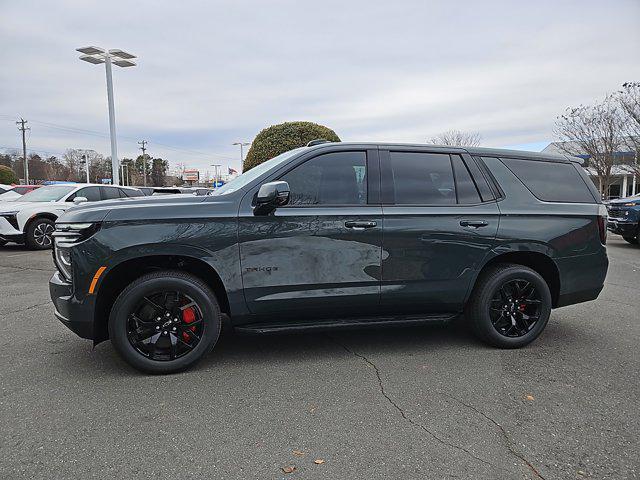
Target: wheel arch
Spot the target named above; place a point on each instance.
(117, 277)
(48, 215)
(537, 261)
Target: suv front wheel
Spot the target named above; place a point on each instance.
(510, 306)
(164, 322)
(38, 234)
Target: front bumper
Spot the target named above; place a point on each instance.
(75, 314)
(9, 233)
(621, 227)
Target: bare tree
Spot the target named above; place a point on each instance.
(456, 138)
(595, 130)
(629, 99)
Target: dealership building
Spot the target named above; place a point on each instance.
(625, 180)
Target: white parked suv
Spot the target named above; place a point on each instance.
(30, 219)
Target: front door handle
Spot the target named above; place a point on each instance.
(473, 223)
(355, 225)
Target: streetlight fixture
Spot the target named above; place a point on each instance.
(242, 144)
(96, 56)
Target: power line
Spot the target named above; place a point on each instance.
(82, 131)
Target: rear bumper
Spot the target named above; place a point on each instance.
(74, 314)
(581, 278)
(626, 229)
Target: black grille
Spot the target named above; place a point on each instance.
(616, 212)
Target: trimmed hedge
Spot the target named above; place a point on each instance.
(7, 176)
(277, 139)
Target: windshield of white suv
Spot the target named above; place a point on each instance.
(52, 193)
(247, 177)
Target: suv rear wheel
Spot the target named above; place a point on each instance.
(165, 322)
(510, 306)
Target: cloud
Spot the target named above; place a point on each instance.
(211, 73)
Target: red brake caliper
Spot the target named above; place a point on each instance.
(188, 316)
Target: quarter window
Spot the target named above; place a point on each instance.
(338, 178)
(422, 178)
(465, 187)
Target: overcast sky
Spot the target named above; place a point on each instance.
(214, 72)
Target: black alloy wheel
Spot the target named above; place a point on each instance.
(515, 308)
(165, 325)
(510, 305)
(165, 322)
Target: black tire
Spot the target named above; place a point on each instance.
(481, 306)
(38, 234)
(164, 281)
(632, 240)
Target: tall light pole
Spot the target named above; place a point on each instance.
(97, 55)
(242, 144)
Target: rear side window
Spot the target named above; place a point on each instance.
(549, 181)
(21, 190)
(422, 178)
(109, 193)
(126, 192)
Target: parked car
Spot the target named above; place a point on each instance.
(624, 218)
(30, 220)
(331, 236)
(146, 190)
(5, 188)
(182, 190)
(16, 191)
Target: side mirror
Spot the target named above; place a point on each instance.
(271, 196)
(79, 200)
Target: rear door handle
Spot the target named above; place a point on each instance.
(473, 223)
(355, 225)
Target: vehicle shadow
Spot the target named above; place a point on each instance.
(240, 350)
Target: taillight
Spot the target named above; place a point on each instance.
(602, 224)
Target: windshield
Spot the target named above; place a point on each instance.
(247, 177)
(52, 193)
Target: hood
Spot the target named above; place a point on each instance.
(138, 208)
(18, 206)
(620, 201)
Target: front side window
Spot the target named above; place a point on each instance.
(92, 194)
(109, 193)
(422, 178)
(338, 178)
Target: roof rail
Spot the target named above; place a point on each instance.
(318, 141)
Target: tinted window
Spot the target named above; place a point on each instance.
(422, 178)
(549, 181)
(21, 190)
(465, 187)
(331, 179)
(92, 194)
(109, 193)
(125, 192)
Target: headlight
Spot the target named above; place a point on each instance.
(11, 217)
(66, 236)
(630, 204)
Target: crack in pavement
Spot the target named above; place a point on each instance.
(509, 442)
(404, 415)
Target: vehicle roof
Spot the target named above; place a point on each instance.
(479, 151)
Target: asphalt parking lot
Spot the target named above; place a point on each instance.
(427, 402)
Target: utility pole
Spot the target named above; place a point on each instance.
(215, 173)
(23, 129)
(143, 147)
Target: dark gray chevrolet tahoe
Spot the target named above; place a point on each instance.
(335, 235)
